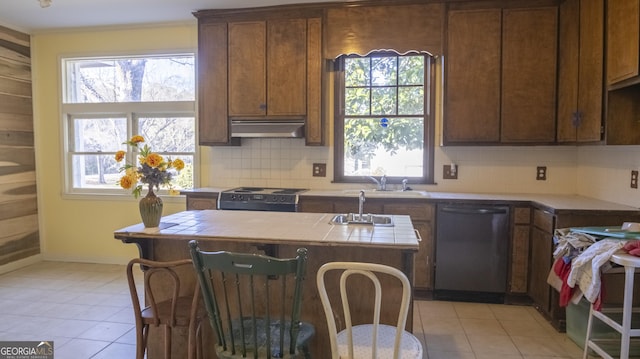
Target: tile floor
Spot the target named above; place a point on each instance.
(85, 310)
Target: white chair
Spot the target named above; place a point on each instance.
(373, 340)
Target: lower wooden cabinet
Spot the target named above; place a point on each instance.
(422, 217)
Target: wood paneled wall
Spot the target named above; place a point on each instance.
(19, 237)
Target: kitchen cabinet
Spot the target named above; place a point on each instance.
(519, 272)
(473, 82)
(422, 217)
(529, 54)
(201, 200)
(499, 88)
(213, 123)
(581, 71)
(623, 72)
(267, 68)
(623, 41)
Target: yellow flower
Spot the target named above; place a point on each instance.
(120, 155)
(178, 164)
(153, 160)
(173, 192)
(127, 181)
(136, 139)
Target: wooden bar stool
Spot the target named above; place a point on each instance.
(630, 264)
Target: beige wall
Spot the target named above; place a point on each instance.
(80, 229)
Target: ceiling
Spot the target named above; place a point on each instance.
(27, 15)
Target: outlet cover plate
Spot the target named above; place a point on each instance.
(541, 173)
(634, 179)
(446, 172)
(319, 170)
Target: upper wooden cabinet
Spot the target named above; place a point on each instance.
(267, 68)
(473, 76)
(581, 71)
(529, 54)
(623, 40)
(501, 76)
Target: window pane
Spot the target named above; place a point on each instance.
(411, 70)
(383, 100)
(134, 79)
(98, 134)
(411, 100)
(373, 150)
(358, 72)
(356, 102)
(169, 134)
(384, 71)
(95, 171)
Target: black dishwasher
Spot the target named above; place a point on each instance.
(472, 244)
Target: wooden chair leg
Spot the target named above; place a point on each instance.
(167, 342)
(141, 341)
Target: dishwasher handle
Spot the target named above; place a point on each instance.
(474, 210)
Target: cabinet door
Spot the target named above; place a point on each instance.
(623, 40)
(541, 256)
(286, 67)
(473, 76)
(212, 84)
(247, 69)
(580, 71)
(529, 53)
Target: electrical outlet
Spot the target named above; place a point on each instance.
(541, 173)
(319, 170)
(447, 173)
(634, 179)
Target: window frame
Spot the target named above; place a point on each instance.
(131, 111)
(429, 121)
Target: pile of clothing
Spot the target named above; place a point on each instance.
(579, 260)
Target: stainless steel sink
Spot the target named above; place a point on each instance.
(370, 219)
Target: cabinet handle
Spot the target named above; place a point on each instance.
(263, 106)
(418, 235)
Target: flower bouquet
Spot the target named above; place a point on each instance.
(152, 170)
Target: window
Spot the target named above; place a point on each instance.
(108, 100)
(383, 118)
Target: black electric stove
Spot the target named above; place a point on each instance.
(260, 199)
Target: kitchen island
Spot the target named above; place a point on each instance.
(280, 234)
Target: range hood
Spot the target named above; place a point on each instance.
(282, 129)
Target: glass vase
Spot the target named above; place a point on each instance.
(151, 209)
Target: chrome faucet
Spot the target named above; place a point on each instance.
(382, 183)
(404, 184)
(361, 201)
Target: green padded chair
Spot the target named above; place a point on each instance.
(254, 303)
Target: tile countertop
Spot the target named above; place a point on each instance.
(552, 202)
(276, 227)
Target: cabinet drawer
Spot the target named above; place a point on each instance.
(543, 220)
(201, 203)
(418, 211)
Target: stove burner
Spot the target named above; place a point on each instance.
(287, 191)
(247, 189)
